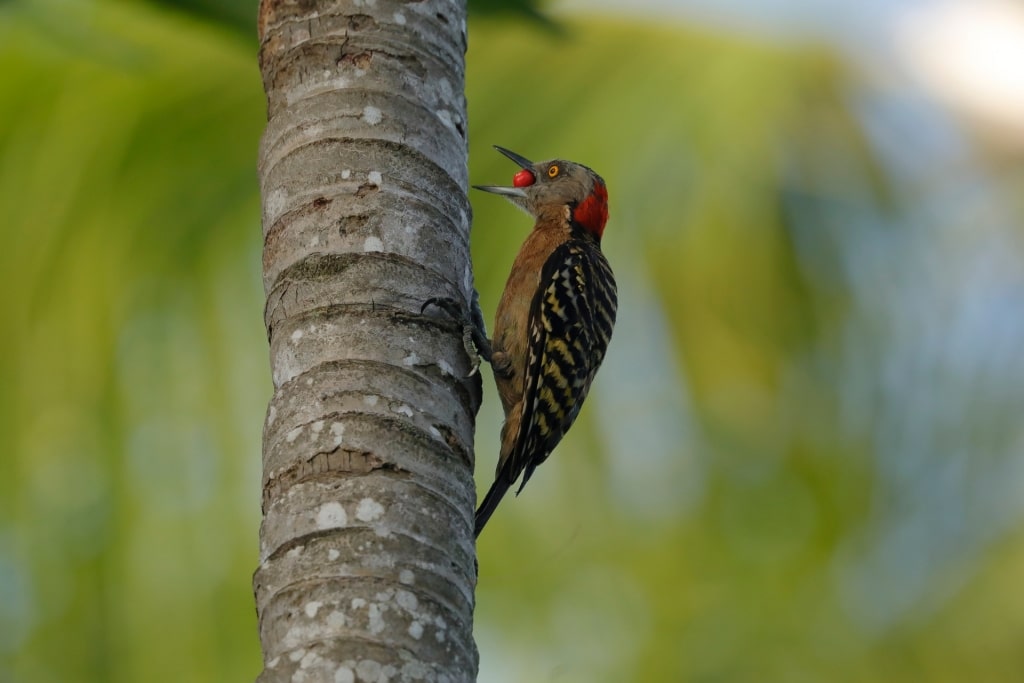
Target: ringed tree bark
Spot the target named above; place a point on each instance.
(366, 548)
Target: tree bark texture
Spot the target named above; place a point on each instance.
(366, 548)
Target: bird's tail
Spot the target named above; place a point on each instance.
(490, 503)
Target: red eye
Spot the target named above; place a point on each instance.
(523, 178)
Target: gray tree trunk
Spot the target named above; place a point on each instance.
(366, 549)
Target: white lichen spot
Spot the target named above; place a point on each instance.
(294, 552)
(271, 416)
(344, 675)
(369, 510)
(309, 382)
(417, 671)
(372, 115)
(346, 174)
(315, 242)
(376, 623)
(338, 430)
(407, 577)
(333, 554)
(336, 619)
(407, 600)
(416, 630)
(331, 516)
(317, 426)
(301, 634)
(404, 410)
(371, 400)
(446, 117)
(375, 177)
(446, 368)
(373, 243)
(445, 87)
(312, 607)
(293, 434)
(411, 359)
(369, 670)
(399, 18)
(439, 636)
(311, 659)
(273, 662)
(296, 655)
(276, 202)
(435, 431)
(358, 603)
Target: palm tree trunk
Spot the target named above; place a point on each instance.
(366, 549)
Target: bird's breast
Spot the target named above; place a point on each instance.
(512, 320)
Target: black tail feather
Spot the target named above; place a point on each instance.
(490, 503)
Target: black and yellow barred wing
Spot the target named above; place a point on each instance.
(571, 321)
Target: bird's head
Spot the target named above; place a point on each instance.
(557, 185)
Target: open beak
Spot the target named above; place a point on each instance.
(516, 192)
(522, 161)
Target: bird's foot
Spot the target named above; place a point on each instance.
(474, 336)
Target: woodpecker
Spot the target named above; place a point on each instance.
(554, 319)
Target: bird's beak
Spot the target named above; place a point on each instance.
(522, 161)
(505, 191)
(515, 192)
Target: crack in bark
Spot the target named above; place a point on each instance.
(341, 461)
(352, 223)
(372, 309)
(318, 268)
(293, 542)
(363, 154)
(432, 563)
(360, 60)
(272, 20)
(367, 189)
(453, 442)
(379, 366)
(337, 462)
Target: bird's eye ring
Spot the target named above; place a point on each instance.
(553, 171)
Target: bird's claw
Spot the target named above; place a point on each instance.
(473, 339)
(446, 304)
(470, 346)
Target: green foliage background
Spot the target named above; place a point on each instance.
(800, 463)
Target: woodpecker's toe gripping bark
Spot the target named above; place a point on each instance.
(474, 332)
